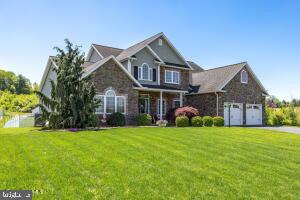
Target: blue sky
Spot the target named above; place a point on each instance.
(211, 33)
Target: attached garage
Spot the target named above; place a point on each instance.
(233, 113)
(253, 114)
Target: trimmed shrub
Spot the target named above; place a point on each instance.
(187, 111)
(197, 121)
(218, 121)
(144, 120)
(208, 121)
(116, 119)
(182, 121)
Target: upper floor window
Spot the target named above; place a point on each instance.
(111, 103)
(244, 76)
(172, 77)
(145, 72)
(160, 42)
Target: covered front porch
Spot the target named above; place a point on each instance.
(157, 102)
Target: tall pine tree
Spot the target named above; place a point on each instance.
(72, 103)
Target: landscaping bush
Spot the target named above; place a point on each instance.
(278, 118)
(144, 120)
(187, 111)
(95, 121)
(282, 116)
(116, 119)
(208, 121)
(182, 121)
(197, 121)
(218, 121)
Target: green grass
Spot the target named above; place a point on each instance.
(152, 163)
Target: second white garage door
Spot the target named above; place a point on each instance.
(254, 114)
(236, 114)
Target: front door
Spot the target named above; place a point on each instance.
(144, 104)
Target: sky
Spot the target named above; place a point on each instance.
(266, 34)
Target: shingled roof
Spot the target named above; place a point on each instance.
(107, 51)
(195, 66)
(133, 49)
(213, 80)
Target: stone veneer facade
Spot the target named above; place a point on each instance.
(112, 76)
(237, 92)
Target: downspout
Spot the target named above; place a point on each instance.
(217, 95)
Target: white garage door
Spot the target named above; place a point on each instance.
(254, 114)
(236, 114)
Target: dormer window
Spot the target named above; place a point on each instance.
(244, 77)
(160, 42)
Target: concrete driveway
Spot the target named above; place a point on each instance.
(288, 129)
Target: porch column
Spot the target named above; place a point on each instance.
(160, 106)
(180, 99)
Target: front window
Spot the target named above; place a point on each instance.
(111, 103)
(244, 76)
(145, 72)
(176, 103)
(144, 103)
(172, 77)
(163, 106)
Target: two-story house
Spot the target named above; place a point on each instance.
(152, 77)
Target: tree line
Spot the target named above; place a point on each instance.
(274, 102)
(16, 84)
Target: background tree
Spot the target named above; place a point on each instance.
(23, 85)
(72, 103)
(14, 84)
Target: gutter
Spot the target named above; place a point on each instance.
(217, 95)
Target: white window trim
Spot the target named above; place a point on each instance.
(174, 100)
(245, 82)
(172, 73)
(104, 104)
(157, 107)
(140, 73)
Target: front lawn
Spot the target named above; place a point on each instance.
(152, 163)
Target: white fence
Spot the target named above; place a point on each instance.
(19, 121)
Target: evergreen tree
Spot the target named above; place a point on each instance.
(72, 103)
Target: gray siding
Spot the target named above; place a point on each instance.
(144, 56)
(47, 85)
(125, 64)
(165, 52)
(95, 56)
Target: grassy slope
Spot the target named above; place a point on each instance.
(152, 163)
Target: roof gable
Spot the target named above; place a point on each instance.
(166, 51)
(214, 80)
(126, 53)
(90, 69)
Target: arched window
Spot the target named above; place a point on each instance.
(111, 103)
(110, 93)
(244, 76)
(145, 71)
